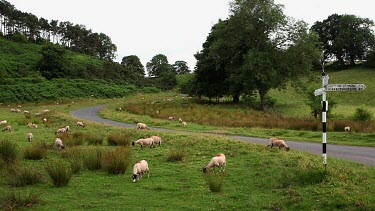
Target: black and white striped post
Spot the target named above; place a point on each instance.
(324, 116)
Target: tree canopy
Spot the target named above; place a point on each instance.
(158, 65)
(134, 66)
(256, 49)
(181, 67)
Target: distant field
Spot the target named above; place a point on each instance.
(256, 177)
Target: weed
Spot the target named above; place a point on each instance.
(8, 151)
(94, 139)
(215, 181)
(116, 162)
(92, 158)
(119, 140)
(175, 155)
(16, 200)
(21, 176)
(60, 173)
(35, 151)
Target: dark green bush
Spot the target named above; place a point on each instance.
(21, 176)
(92, 158)
(8, 151)
(35, 151)
(119, 140)
(118, 161)
(215, 181)
(362, 115)
(175, 155)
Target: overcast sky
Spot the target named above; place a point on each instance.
(175, 28)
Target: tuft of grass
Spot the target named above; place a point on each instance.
(21, 176)
(8, 151)
(175, 155)
(70, 140)
(60, 173)
(119, 140)
(215, 181)
(118, 161)
(35, 151)
(17, 200)
(94, 139)
(92, 158)
(75, 165)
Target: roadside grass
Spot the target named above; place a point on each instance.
(256, 177)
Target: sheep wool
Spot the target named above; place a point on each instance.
(139, 169)
(145, 141)
(142, 126)
(279, 143)
(59, 144)
(218, 161)
(29, 136)
(156, 140)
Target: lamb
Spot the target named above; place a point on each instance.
(4, 122)
(59, 144)
(171, 118)
(156, 140)
(180, 120)
(139, 169)
(184, 124)
(80, 124)
(347, 129)
(29, 136)
(144, 141)
(217, 161)
(7, 128)
(141, 126)
(279, 143)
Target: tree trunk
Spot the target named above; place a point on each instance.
(236, 98)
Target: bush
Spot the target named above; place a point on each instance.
(21, 176)
(70, 140)
(35, 152)
(60, 173)
(94, 139)
(215, 181)
(119, 140)
(19, 38)
(92, 158)
(174, 155)
(118, 161)
(15, 200)
(76, 165)
(362, 115)
(8, 151)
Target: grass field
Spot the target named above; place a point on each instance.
(256, 177)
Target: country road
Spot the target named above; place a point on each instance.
(364, 155)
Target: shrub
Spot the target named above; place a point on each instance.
(75, 139)
(35, 152)
(94, 139)
(92, 158)
(362, 115)
(116, 162)
(60, 173)
(15, 200)
(119, 140)
(215, 181)
(8, 151)
(21, 176)
(76, 165)
(175, 155)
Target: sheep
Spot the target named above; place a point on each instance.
(156, 140)
(18, 110)
(180, 120)
(19, 106)
(59, 144)
(141, 126)
(347, 129)
(279, 143)
(184, 124)
(4, 122)
(29, 136)
(44, 120)
(171, 118)
(80, 124)
(45, 111)
(26, 112)
(34, 125)
(139, 169)
(7, 128)
(38, 114)
(157, 112)
(144, 141)
(13, 110)
(67, 128)
(217, 161)
(62, 130)
(29, 124)
(119, 109)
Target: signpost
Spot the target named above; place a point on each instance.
(322, 91)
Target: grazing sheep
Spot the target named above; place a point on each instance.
(13, 110)
(141, 126)
(171, 118)
(62, 130)
(34, 125)
(156, 140)
(180, 120)
(59, 144)
(19, 106)
(29, 124)
(4, 122)
(67, 128)
(18, 110)
(157, 112)
(29, 136)
(45, 111)
(26, 112)
(38, 114)
(7, 128)
(277, 142)
(144, 141)
(44, 120)
(347, 129)
(217, 161)
(139, 169)
(184, 124)
(80, 124)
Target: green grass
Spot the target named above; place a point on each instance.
(256, 177)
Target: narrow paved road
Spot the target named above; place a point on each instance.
(365, 155)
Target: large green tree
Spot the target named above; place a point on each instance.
(345, 37)
(133, 64)
(181, 67)
(158, 65)
(53, 63)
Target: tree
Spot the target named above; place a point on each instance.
(158, 65)
(133, 65)
(181, 67)
(53, 62)
(345, 37)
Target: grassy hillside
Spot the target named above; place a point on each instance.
(256, 177)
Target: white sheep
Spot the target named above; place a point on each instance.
(34, 125)
(80, 124)
(45, 111)
(171, 118)
(29, 136)
(144, 141)
(59, 144)
(62, 130)
(141, 126)
(18, 110)
(184, 124)
(26, 112)
(38, 114)
(13, 110)
(7, 128)
(19, 106)
(4, 122)
(139, 169)
(218, 161)
(156, 140)
(44, 120)
(29, 124)
(279, 143)
(157, 112)
(347, 129)
(180, 120)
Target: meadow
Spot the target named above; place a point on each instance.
(256, 177)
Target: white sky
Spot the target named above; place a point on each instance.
(174, 28)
